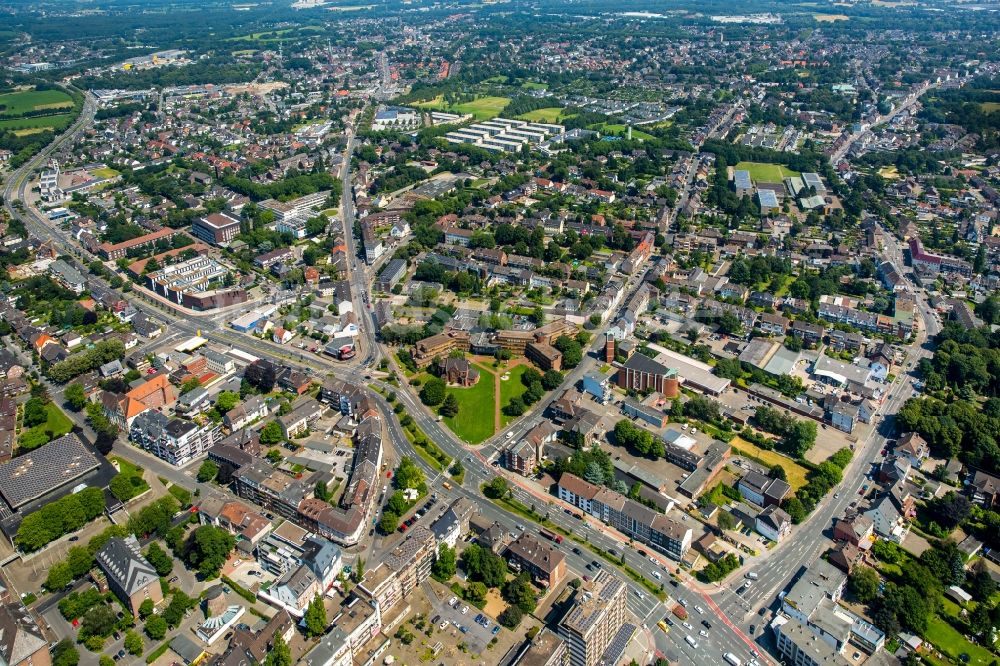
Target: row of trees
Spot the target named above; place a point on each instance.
(820, 481)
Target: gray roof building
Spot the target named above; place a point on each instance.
(45, 470)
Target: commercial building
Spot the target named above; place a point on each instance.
(641, 373)
(196, 283)
(596, 616)
(439, 346)
(402, 571)
(504, 134)
(216, 228)
(763, 490)
(129, 575)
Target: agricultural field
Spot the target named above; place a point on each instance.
(549, 114)
(48, 104)
(764, 172)
(830, 18)
(989, 107)
(105, 172)
(482, 108)
(23, 101)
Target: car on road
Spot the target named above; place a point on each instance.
(706, 624)
(596, 564)
(465, 609)
(74, 538)
(753, 628)
(577, 551)
(703, 633)
(453, 602)
(683, 602)
(701, 611)
(657, 576)
(652, 559)
(174, 579)
(687, 626)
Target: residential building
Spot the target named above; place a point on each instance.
(174, 440)
(129, 575)
(802, 647)
(546, 649)
(546, 565)
(774, 523)
(888, 522)
(250, 410)
(854, 528)
(594, 619)
(293, 591)
(985, 489)
(67, 276)
(913, 447)
(403, 570)
(305, 412)
(22, 642)
(763, 490)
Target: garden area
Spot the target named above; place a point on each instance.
(795, 474)
(43, 422)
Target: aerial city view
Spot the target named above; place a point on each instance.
(499, 332)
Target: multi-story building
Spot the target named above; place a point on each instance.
(174, 440)
(546, 565)
(804, 648)
(439, 346)
(216, 228)
(129, 575)
(245, 413)
(304, 414)
(546, 649)
(405, 568)
(635, 520)
(597, 614)
(642, 373)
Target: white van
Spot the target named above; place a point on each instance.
(692, 642)
(732, 659)
(752, 575)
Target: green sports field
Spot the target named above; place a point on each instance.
(549, 114)
(763, 172)
(482, 108)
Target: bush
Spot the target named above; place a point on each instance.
(511, 617)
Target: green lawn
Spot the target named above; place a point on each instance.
(766, 173)
(482, 108)
(126, 467)
(510, 389)
(22, 101)
(794, 472)
(952, 643)
(474, 421)
(549, 114)
(57, 423)
(105, 172)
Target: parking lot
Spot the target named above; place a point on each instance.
(454, 622)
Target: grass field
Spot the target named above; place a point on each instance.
(889, 173)
(766, 173)
(105, 172)
(57, 423)
(950, 642)
(34, 100)
(275, 35)
(619, 130)
(37, 124)
(476, 404)
(989, 107)
(830, 18)
(795, 473)
(482, 108)
(548, 114)
(510, 389)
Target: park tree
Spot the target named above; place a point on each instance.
(496, 488)
(315, 617)
(519, 592)
(156, 627)
(133, 642)
(207, 549)
(76, 396)
(476, 591)
(445, 565)
(511, 617)
(432, 393)
(271, 434)
(864, 583)
(388, 523)
(449, 408)
(159, 559)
